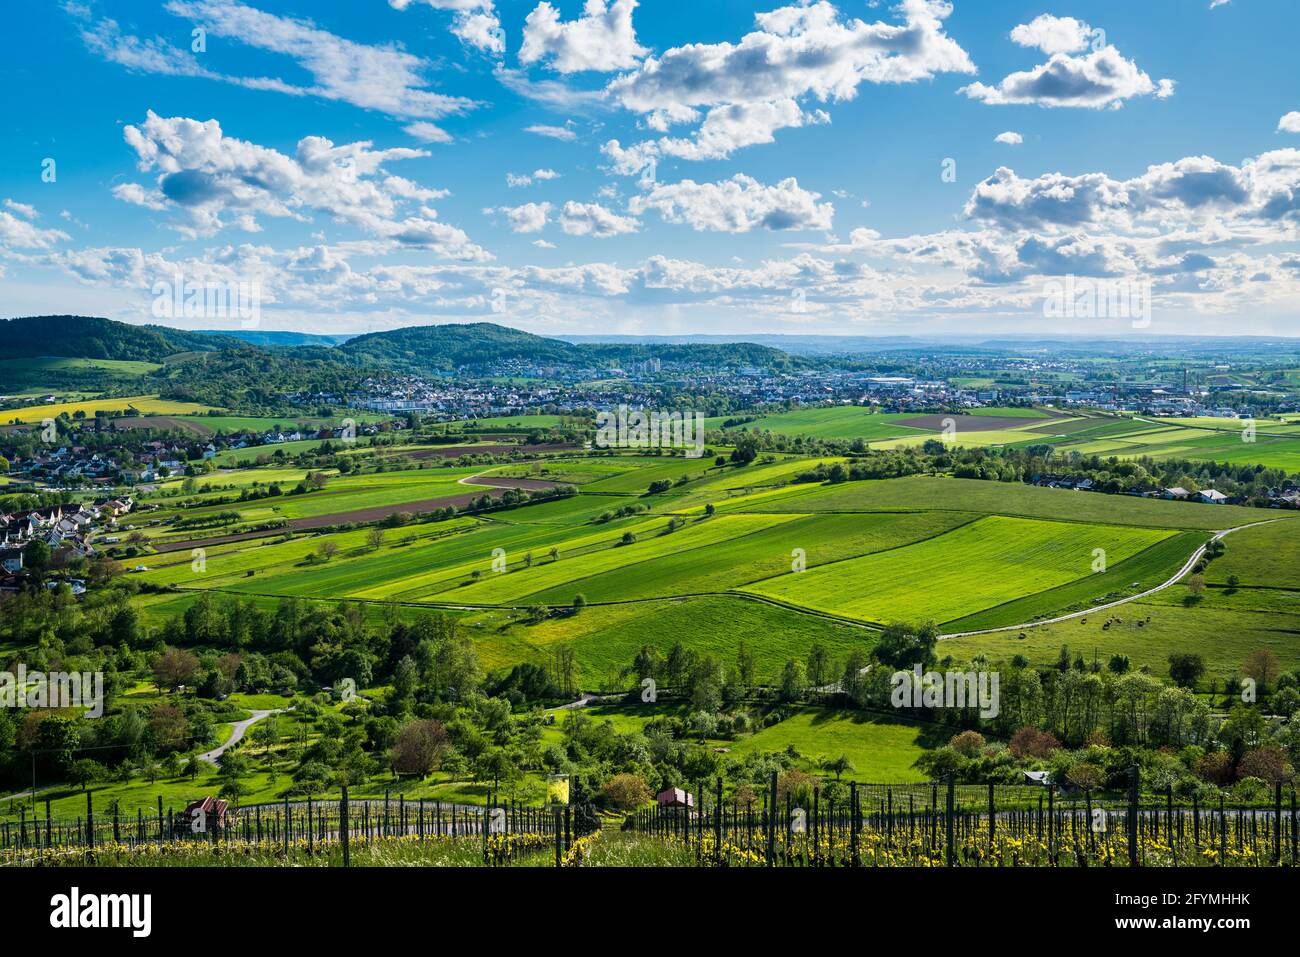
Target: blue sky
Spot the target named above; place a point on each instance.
(604, 167)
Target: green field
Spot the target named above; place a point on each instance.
(881, 749)
(1026, 501)
(977, 566)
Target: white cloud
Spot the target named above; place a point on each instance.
(24, 210)
(382, 78)
(1289, 123)
(1053, 34)
(515, 180)
(528, 218)
(427, 132)
(1100, 78)
(21, 233)
(592, 219)
(554, 132)
(214, 181)
(601, 39)
(475, 23)
(737, 205)
(750, 89)
(1010, 138)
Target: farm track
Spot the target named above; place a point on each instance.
(236, 735)
(1182, 572)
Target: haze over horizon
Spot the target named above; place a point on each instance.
(918, 169)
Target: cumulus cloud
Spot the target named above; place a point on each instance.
(214, 181)
(741, 93)
(1260, 191)
(601, 39)
(1289, 123)
(475, 23)
(1053, 34)
(592, 219)
(737, 205)
(1097, 79)
(1010, 138)
(528, 218)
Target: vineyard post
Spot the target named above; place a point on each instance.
(717, 821)
(853, 822)
(771, 822)
(952, 796)
(1133, 781)
(993, 818)
(1223, 831)
(1277, 824)
(1087, 802)
(90, 820)
(1051, 822)
(343, 827)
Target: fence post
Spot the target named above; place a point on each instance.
(853, 822)
(1277, 824)
(1051, 822)
(952, 796)
(559, 838)
(717, 821)
(1133, 782)
(90, 820)
(771, 822)
(993, 818)
(343, 827)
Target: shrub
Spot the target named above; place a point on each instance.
(968, 743)
(1029, 742)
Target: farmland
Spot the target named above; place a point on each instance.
(969, 555)
(143, 404)
(1274, 442)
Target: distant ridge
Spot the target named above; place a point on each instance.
(285, 339)
(90, 337)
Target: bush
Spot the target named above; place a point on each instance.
(627, 792)
(1029, 742)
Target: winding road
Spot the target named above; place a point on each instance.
(237, 734)
(1187, 567)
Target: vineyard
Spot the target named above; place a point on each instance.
(932, 824)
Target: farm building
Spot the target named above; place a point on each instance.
(674, 797)
(205, 814)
